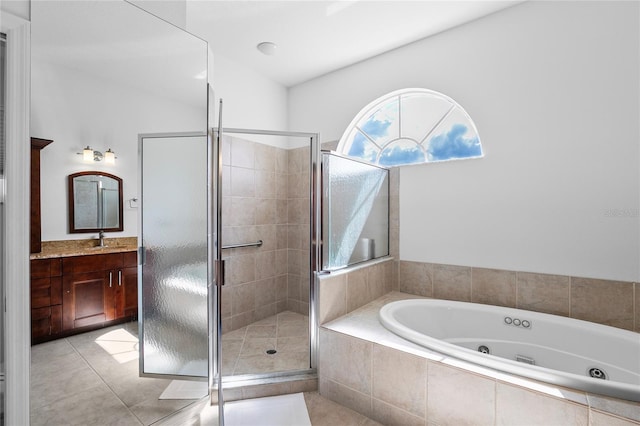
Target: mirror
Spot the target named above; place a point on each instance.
(95, 202)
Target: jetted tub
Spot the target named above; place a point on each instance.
(563, 351)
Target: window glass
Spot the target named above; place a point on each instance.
(411, 126)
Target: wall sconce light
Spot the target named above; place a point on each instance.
(109, 157)
(89, 154)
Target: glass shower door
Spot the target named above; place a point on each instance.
(173, 328)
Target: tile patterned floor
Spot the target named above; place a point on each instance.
(92, 378)
(244, 351)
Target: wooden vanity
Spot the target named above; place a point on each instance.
(74, 291)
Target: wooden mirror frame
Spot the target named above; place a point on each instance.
(72, 227)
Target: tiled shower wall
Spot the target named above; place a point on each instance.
(264, 199)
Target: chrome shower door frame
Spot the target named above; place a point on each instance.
(315, 252)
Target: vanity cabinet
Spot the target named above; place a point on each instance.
(46, 298)
(98, 288)
(78, 293)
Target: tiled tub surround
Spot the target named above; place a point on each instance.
(265, 197)
(371, 370)
(613, 303)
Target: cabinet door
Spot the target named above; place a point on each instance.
(126, 298)
(88, 299)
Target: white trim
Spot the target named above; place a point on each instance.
(16, 230)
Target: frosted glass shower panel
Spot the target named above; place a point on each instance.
(355, 210)
(174, 272)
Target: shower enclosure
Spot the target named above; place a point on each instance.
(268, 224)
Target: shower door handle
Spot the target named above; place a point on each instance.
(219, 266)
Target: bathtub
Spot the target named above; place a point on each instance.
(558, 350)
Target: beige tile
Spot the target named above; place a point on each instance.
(293, 329)
(378, 277)
(294, 158)
(265, 264)
(67, 383)
(282, 161)
(415, 278)
(324, 412)
(596, 418)
(388, 414)
(242, 298)
(257, 346)
(265, 292)
(242, 320)
(637, 306)
(308, 385)
(543, 293)
(357, 289)
(265, 157)
(345, 360)
(255, 364)
(293, 344)
(493, 287)
(516, 406)
(618, 407)
(282, 183)
(281, 287)
(266, 233)
(153, 409)
(333, 297)
(94, 406)
(400, 379)
(265, 184)
(452, 282)
(257, 331)
(345, 396)
(602, 301)
(261, 391)
(265, 211)
(476, 394)
(241, 269)
(242, 212)
(265, 311)
(242, 182)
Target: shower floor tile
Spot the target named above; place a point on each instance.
(244, 351)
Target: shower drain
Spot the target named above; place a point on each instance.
(271, 351)
(597, 373)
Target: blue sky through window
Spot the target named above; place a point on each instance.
(375, 134)
(452, 145)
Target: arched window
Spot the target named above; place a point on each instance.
(411, 126)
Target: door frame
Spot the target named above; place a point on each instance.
(16, 254)
(315, 250)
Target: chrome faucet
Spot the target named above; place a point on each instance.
(101, 237)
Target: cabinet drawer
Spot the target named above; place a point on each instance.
(91, 263)
(130, 259)
(46, 321)
(46, 291)
(43, 268)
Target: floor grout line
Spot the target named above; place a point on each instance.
(104, 381)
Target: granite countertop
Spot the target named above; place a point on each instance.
(67, 248)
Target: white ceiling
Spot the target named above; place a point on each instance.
(316, 37)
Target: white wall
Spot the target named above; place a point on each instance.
(553, 88)
(19, 8)
(75, 109)
(250, 100)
